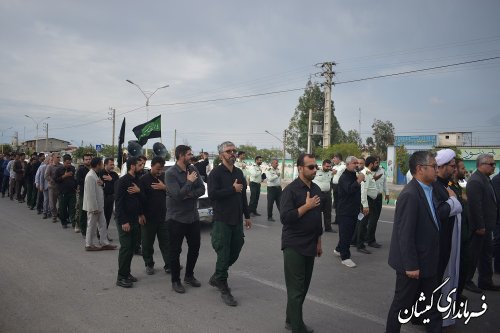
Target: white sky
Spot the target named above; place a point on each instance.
(68, 60)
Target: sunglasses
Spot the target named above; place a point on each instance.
(312, 167)
(230, 152)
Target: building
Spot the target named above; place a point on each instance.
(454, 139)
(45, 145)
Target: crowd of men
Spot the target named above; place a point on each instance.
(440, 231)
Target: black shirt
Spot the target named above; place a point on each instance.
(349, 194)
(109, 185)
(202, 167)
(127, 206)
(229, 205)
(81, 173)
(300, 233)
(153, 201)
(65, 185)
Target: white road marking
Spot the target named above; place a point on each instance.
(260, 225)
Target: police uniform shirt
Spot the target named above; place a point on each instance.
(323, 179)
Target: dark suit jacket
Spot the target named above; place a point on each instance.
(415, 236)
(496, 185)
(483, 208)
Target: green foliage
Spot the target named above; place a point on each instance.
(383, 133)
(402, 158)
(346, 149)
(267, 154)
(6, 149)
(80, 151)
(109, 151)
(353, 137)
(296, 140)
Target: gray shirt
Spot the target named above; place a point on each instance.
(182, 195)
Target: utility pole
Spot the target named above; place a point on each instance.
(327, 122)
(46, 129)
(112, 113)
(175, 143)
(309, 132)
(284, 152)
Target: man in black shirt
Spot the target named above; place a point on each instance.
(348, 208)
(66, 183)
(300, 210)
(109, 178)
(227, 191)
(81, 173)
(128, 215)
(139, 172)
(184, 187)
(154, 208)
(201, 166)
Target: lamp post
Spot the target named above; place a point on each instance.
(148, 95)
(3, 130)
(36, 125)
(284, 151)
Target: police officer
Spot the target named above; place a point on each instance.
(324, 180)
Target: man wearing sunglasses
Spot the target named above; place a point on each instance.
(483, 217)
(227, 191)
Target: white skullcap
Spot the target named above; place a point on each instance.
(444, 156)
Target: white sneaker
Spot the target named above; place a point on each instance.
(337, 253)
(77, 230)
(349, 263)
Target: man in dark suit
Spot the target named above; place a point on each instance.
(414, 250)
(483, 217)
(496, 233)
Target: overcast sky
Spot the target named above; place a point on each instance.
(68, 60)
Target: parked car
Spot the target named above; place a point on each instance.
(205, 209)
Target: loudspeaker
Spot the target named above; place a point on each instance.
(134, 148)
(159, 149)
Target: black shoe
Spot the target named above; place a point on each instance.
(364, 250)
(45, 216)
(227, 297)
(125, 283)
(470, 286)
(192, 281)
(131, 278)
(178, 287)
(255, 214)
(288, 326)
(214, 282)
(150, 270)
(490, 287)
(375, 245)
(39, 212)
(270, 219)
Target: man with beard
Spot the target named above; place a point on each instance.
(300, 238)
(154, 208)
(109, 178)
(81, 219)
(202, 165)
(255, 172)
(380, 182)
(227, 191)
(184, 187)
(128, 215)
(93, 204)
(369, 193)
(42, 185)
(273, 189)
(50, 176)
(19, 168)
(141, 162)
(348, 209)
(65, 179)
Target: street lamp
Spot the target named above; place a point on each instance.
(3, 130)
(284, 150)
(148, 95)
(36, 125)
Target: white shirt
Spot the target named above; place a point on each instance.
(255, 172)
(323, 179)
(340, 170)
(273, 177)
(368, 187)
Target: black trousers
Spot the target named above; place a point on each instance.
(373, 219)
(326, 200)
(335, 200)
(149, 232)
(406, 293)
(362, 228)
(347, 224)
(177, 232)
(39, 203)
(109, 200)
(481, 255)
(254, 197)
(273, 196)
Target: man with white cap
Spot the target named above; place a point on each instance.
(448, 210)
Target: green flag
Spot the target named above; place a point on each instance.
(148, 130)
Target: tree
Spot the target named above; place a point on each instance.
(402, 159)
(353, 137)
(267, 154)
(369, 145)
(80, 151)
(109, 151)
(6, 149)
(346, 149)
(383, 133)
(296, 139)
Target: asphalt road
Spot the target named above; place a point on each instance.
(48, 283)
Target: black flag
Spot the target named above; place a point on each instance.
(121, 140)
(148, 130)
